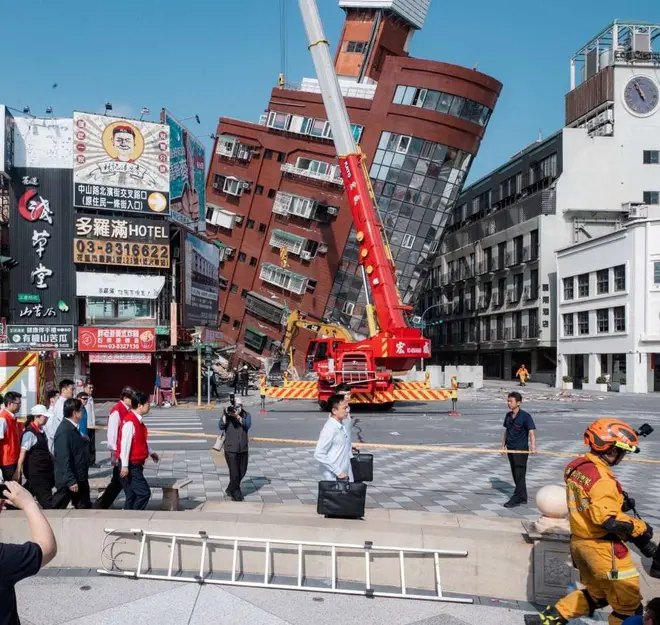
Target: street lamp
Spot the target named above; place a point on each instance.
(423, 326)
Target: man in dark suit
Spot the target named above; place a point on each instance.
(71, 460)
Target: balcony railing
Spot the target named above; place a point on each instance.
(332, 177)
(513, 296)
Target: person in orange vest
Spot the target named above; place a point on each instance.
(262, 390)
(10, 437)
(132, 452)
(523, 374)
(454, 393)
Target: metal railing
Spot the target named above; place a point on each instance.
(333, 178)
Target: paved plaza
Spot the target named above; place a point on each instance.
(77, 598)
(442, 481)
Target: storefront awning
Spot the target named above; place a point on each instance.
(118, 285)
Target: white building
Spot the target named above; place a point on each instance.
(609, 306)
(493, 297)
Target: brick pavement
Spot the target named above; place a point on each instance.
(444, 482)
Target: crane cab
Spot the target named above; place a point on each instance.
(321, 354)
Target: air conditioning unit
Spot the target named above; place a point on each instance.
(229, 251)
(306, 255)
(247, 186)
(217, 185)
(239, 219)
(332, 210)
(323, 248)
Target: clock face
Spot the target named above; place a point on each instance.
(641, 95)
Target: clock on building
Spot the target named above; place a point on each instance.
(641, 95)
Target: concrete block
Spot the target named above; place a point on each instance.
(553, 570)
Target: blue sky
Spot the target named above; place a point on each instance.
(219, 57)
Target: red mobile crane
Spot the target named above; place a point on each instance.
(367, 365)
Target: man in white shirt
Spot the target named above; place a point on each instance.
(333, 449)
(91, 424)
(66, 392)
(134, 449)
(117, 414)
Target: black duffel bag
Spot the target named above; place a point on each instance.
(342, 498)
(363, 467)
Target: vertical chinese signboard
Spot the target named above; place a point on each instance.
(187, 175)
(42, 286)
(121, 164)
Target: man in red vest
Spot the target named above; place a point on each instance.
(116, 418)
(133, 450)
(10, 437)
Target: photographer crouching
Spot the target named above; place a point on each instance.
(235, 423)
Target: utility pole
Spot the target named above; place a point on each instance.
(424, 326)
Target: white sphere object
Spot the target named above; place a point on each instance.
(551, 501)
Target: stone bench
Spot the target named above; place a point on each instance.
(169, 485)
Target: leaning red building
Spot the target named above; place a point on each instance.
(275, 185)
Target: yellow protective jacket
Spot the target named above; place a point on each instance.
(594, 496)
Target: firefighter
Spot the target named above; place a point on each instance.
(600, 528)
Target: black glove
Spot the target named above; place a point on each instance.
(645, 545)
(628, 503)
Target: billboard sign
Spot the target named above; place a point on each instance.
(41, 230)
(40, 337)
(121, 241)
(187, 175)
(117, 339)
(121, 164)
(118, 285)
(202, 286)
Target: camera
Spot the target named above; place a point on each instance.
(644, 430)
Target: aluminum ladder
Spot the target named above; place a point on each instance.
(116, 539)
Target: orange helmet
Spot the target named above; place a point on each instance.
(603, 434)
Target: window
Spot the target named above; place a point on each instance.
(259, 189)
(619, 319)
(348, 308)
(403, 144)
(651, 157)
(312, 166)
(583, 285)
(279, 121)
(280, 157)
(234, 288)
(233, 186)
(254, 339)
(226, 319)
(408, 241)
(250, 224)
(311, 248)
(253, 261)
(620, 278)
(358, 47)
(656, 272)
(569, 288)
(603, 320)
(583, 322)
(262, 228)
(283, 278)
(603, 281)
(219, 181)
(100, 309)
(568, 324)
(533, 322)
(134, 308)
(651, 197)
(241, 257)
(237, 324)
(271, 193)
(311, 286)
(268, 154)
(244, 293)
